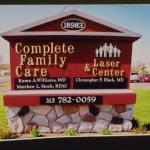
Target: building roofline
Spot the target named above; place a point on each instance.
(71, 34)
(19, 31)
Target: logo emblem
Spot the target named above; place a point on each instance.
(73, 24)
(107, 51)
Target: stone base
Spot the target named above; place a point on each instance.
(82, 118)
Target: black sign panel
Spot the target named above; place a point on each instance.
(42, 83)
(100, 83)
(71, 100)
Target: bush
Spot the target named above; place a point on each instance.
(142, 129)
(135, 123)
(139, 130)
(70, 132)
(105, 131)
(6, 133)
(35, 133)
(146, 126)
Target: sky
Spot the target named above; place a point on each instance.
(133, 17)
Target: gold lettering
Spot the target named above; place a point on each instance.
(117, 73)
(36, 49)
(26, 49)
(40, 61)
(94, 71)
(70, 49)
(95, 63)
(106, 73)
(55, 59)
(27, 73)
(22, 59)
(64, 48)
(102, 64)
(57, 49)
(62, 61)
(46, 49)
(122, 72)
(36, 71)
(49, 60)
(17, 48)
(107, 63)
(113, 63)
(44, 72)
(117, 63)
(19, 71)
(30, 61)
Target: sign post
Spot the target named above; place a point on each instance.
(71, 71)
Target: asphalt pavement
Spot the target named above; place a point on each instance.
(145, 85)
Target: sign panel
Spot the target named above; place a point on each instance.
(42, 83)
(70, 64)
(100, 83)
(71, 100)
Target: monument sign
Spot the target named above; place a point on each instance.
(70, 69)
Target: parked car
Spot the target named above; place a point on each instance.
(145, 78)
(134, 77)
(4, 72)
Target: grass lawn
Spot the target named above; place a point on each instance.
(141, 108)
(2, 112)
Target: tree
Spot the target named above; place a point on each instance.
(143, 70)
